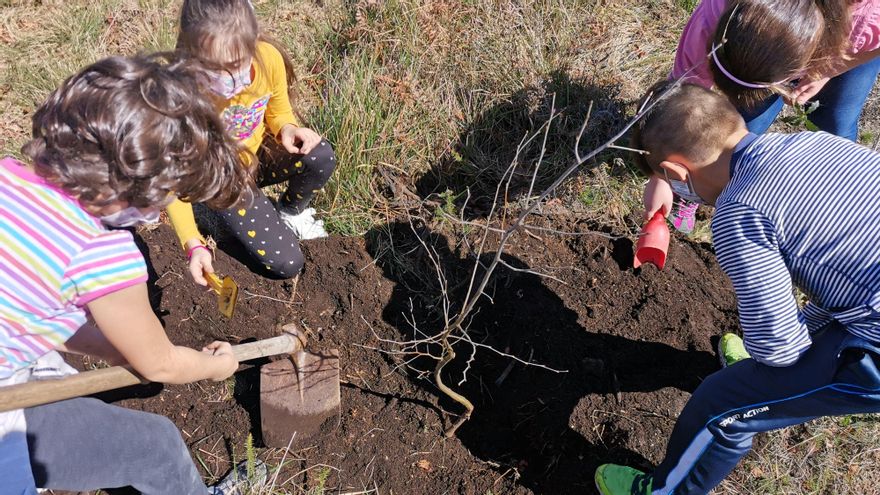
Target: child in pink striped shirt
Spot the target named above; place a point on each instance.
(111, 146)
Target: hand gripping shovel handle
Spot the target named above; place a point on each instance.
(40, 392)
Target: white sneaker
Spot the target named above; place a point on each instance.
(304, 224)
(237, 481)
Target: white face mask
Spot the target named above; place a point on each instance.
(227, 84)
(129, 217)
(684, 190)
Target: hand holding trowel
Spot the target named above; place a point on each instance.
(226, 290)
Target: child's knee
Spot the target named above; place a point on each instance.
(322, 159)
(164, 431)
(288, 266)
(168, 454)
(155, 438)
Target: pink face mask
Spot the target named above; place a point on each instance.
(228, 84)
(130, 217)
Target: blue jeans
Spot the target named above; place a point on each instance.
(841, 102)
(839, 374)
(84, 444)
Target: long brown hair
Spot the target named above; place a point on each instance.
(136, 130)
(764, 42)
(835, 43)
(223, 33)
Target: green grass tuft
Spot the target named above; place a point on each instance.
(250, 457)
(319, 486)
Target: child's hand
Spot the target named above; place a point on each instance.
(200, 262)
(299, 140)
(658, 197)
(807, 89)
(226, 362)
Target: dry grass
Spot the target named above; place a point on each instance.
(436, 94)
(42, 43)
(442, 88)
(827, 456)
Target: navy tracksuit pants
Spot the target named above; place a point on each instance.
(839, 374)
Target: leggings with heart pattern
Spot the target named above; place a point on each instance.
(259, 227)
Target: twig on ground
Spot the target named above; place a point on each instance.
(531, 272)
(532, 227)
(280, 464)
(626, 148)
(252, 295)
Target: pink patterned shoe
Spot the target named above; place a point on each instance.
(684, 218)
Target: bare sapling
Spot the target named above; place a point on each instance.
(441, 346)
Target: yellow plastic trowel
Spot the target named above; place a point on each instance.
(227, 293)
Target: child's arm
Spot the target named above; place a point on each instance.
(747, 250)
(808, 88)
(279, 113)
(129, 325)
(89, 341)
(657, 197)
(184, 223)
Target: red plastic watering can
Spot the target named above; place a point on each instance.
(653, 242)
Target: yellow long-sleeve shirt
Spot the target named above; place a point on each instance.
(263, 104)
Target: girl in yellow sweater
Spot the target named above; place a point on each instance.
(251, 79)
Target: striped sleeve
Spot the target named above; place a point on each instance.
(746, 247)
(107, 263)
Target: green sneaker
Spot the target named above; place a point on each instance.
(731, 349)
(612, 479)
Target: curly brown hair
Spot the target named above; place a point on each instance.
(137, 130)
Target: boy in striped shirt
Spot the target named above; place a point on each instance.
(792, 210)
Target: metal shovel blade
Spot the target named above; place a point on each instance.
(297, 396)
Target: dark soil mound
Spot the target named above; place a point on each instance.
(632, 345)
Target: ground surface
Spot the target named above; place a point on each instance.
(631, 342)
(434, 95)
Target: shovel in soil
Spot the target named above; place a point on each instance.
(653, 242)
(297, 395)
(227, 293)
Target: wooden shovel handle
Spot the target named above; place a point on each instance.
(286, 343)
(40, 392)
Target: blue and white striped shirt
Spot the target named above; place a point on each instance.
(800, 210)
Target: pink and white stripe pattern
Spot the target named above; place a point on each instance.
(54, 259)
